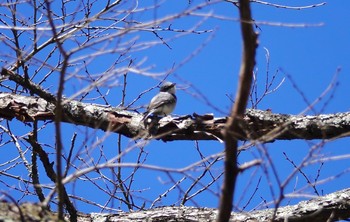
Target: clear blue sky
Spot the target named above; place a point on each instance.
(311, 55)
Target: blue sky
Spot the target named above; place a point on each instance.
(310, 55)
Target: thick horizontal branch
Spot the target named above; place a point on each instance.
(332, 207)
(256, 124)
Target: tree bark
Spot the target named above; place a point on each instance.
(332, 207)
(263, 126)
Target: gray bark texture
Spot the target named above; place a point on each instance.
(331, 207)
(263, 126)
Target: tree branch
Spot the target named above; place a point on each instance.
(233, 124)
(258, 125)
(334, 206)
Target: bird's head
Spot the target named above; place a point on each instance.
(168, 87)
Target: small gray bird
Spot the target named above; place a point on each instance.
(163, 103)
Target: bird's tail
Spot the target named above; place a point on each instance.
(146, 115)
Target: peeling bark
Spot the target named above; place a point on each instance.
(263, 126)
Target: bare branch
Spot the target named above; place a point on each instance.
(334, 207)
(232, 126)
(257, 125)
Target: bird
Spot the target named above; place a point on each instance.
(164, 102)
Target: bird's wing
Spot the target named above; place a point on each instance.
(158, 101)
(155, 103)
